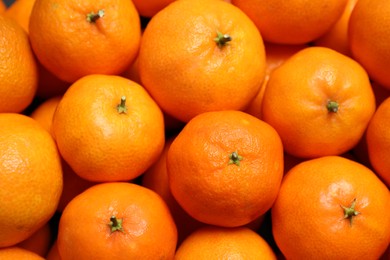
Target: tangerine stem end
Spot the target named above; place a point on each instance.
(115, 224)
(92, 16)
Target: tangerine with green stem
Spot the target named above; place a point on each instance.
(225, 167)
(319, 101)
(125, 220)
(95, 37)
(334, 206)
(200, 62)
(108, 128)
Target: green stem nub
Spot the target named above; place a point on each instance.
(332, 106)
(350, 212)
(122, 106)
(222, 39)
(92, 16)
(235, 158)
(115, 224)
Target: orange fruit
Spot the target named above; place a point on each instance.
(39, 242)
(172, 125)
(12, 253)
(72, 183)
(294, 21)
(156, 179)
(331, 208)
(151, 7)
(337, 37)
(225, 167)
(30, 177)
(200, 62)
(121, 221)
(369, 33)
(20, 11)
(378, 141)
(88, 36)
(44, 112)
(319, 101)
(213, 242)
(19, 76)
(275, 55)
(108, 128)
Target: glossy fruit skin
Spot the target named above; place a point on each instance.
(148, 230)
(101, 143)
(299, 92)
(194, 74)
(292, 22)
(19, 73)
(206, 180)
(369, 33)
(308, 219)
(211, 242)
(30, 177)
(378, 141)
(107, 45)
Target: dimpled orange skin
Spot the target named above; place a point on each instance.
(97, 141)
(156, 179)
(369, 35)
(185, 70)
(59, 29)
(148, 230)
(378, 141)
(296, 98)
(211, 189)
(308, 221)
(19, 71)
(30, 177)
